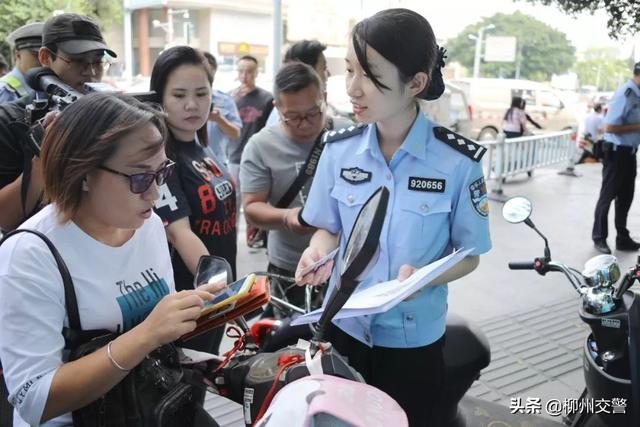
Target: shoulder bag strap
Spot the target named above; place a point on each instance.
(69, 292)
(307, 171)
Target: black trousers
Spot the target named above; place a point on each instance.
(618, 183)
(414, 377)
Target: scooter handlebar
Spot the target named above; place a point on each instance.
(521, 266)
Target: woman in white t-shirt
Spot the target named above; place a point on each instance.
(102, 161)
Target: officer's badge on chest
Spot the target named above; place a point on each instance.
(355, 175)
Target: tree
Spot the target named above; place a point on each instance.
(624, 15)
(602, 68)
(15, 13)
(541, 50)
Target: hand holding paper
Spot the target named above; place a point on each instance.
(315, 265)
(381, 297)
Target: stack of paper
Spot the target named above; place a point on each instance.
(381, 297)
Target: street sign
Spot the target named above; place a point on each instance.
(500, 49)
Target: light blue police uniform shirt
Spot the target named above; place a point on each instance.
(7, 94)
(624, 109)
(420, 226)
(218, 140)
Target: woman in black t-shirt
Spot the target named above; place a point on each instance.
(197, 203)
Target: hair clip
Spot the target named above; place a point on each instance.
(442, 55)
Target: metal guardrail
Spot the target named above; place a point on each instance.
(508, 157)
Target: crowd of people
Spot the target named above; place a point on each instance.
(133, 194)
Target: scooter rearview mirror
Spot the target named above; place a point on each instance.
(517, 209)
(365, 235)
(212, 269)
(360, 251)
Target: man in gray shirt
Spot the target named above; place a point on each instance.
(272, 160)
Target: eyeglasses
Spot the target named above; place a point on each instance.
(82, 65)
(140, 182)
(296, 121)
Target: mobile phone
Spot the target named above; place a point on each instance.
(226, 299)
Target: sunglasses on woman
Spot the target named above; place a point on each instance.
(140, 182)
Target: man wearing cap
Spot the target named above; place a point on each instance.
(622, 137)
(73, 48)
(25, 42)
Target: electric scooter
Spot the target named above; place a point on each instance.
(612, 312)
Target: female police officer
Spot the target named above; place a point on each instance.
(438, 202)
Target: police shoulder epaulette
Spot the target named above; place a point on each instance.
(628, 92)
(338, 134)
(471, 149)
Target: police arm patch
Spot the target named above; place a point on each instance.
(463, 145)
(479, 197)
(355, 175)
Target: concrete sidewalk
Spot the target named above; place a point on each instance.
(563, 209)
(532, 321)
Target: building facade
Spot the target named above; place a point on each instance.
(228, 29)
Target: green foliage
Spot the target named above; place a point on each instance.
(623, 15)
(15, 13)
(602, 68)
(542, 50)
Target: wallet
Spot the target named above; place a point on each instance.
(258, 296)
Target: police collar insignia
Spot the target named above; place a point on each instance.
(471, 149)
(479, 198)
(355, 175)
(338, 134)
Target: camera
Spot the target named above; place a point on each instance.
(60, 96)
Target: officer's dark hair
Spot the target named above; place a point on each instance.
(404, 38)
(166, 64)
(248, 58)
(294, 77)
(307, 51)
(84, 136)
(213, 63)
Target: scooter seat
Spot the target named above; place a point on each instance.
(466, 349)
